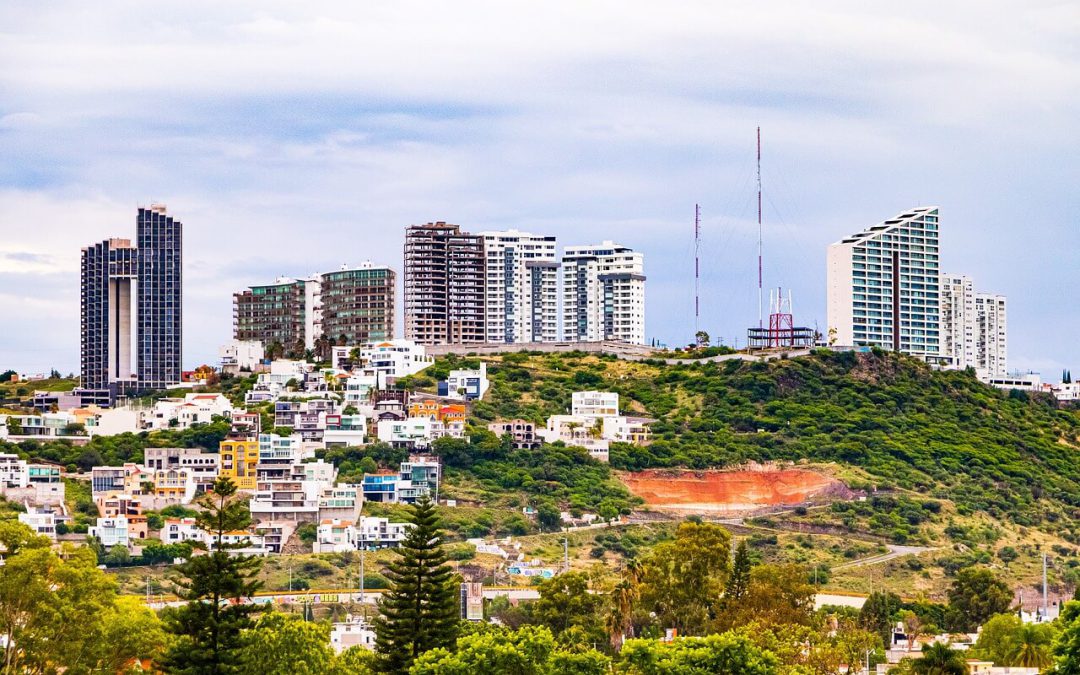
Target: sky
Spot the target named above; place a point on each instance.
(292, 138)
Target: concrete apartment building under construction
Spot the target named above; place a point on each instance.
(445, 285)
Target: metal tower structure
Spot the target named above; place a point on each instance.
(759, 261)
(697, 269)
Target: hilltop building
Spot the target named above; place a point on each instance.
(884, 288)
(521, 287)
(603, 293)
(444, 285)
(973, 327)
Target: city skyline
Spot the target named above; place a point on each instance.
(609, 127)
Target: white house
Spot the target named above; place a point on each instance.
(465, 385)
(353, 632)
(245, 543)
(41, 521)
(594, 403)
(392, 358)
(380, 532)
(13, 472)
(112, 531)
(417, 432)
(184, 413)
(335, 536)
(177, 530)
(344, 430)
(240, 355)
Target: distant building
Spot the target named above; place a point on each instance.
(358, 304)
(973, 327)
(132, 308)
(465, 384)
(417, 477)
(385, 358)
(603, 293)
(240, 356)
(522, 432)
(445, 285)
(41, 521)
(521, 287)
(285, 312)
(884, 288)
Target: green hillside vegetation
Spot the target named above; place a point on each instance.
(941, 434)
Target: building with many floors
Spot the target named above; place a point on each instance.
(973, 328)
(358, 304)
(884, 286)
(132, 308)
(603, 293)
(521, 287)
(445, 285)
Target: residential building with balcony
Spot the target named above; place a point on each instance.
(445, 285)
(358, 304)
(603, 293)
(521, 287)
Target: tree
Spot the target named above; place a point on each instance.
(701, 339)
(420, 610)
(1067, 645)
(878, 614)
(940, 659)
(1031, 646)
(118, 556)
(285, 644)
(775, 595)
(684, 578)
(1007, 555)
(975, 596)
(209, 627)
(530, 650)
(62, 614)
(718, 654)
(548, 517)
(739, 581)
(565, 602)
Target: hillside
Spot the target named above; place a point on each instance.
(941, 434)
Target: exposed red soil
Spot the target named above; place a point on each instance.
(745, 490)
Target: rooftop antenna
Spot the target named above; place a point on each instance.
(759, 265)
(697, 268)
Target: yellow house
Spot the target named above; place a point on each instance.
(238, 462)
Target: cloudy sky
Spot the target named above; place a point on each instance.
(294, 137)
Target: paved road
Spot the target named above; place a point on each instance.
(894, 552)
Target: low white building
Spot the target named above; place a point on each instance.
(269, 386)
(13, 472)
(417, 432)
(374, 532)
(112, 531)
(465, 384)
(178, 530)
(344, 430)
(393, 358)
(184, 413)
(353, 632)
(595, 423)
(335, 536)
(42, 522)
(240, 356)
(594, 403)
(203, 466)
(578, 431)
(239, 542)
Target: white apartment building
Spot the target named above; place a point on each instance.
(183, 413)
(603, 293)
(521, 287)
(465, 384)
(203, 466)
(14, 472)
(334, 535)
(389, 358)
(884, 288)
(594, 403)
(594, 423)
(240, 355)
(112, 531)
(417, 432)
(380, 532)
(353, 632)
(42, 522)
(973, 328)
(177, 530)
(344, 430)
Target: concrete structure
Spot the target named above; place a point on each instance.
(973, 328)
(522, 432)
(380, 533)
(594, 423)
(465, 384)
(178, 530)
(394, 358)
(358, 304)
(344, 430)
(884, 289)
(353, 632)
(417, 432)
(240, 356)
(184, 413)
(603, 293)
(521, 287)
(203, 466)
(41, 521)
(334, 536)
(239, 459)
(14, 472)
(445, 282)
(415, 478)
(132, 308)
(285, 312)
(436, 410)
(594, 403)
(112, 531)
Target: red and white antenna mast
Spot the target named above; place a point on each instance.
(759, 264)
(697, 268)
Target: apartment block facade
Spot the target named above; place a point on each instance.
(603, 293)
(973, 327)
(445, 283)
(521, 287)
(131, 303)
(884, 286)
(356, 303)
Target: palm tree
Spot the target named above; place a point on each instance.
(940, 659)
(1031, 646)
(618, 622)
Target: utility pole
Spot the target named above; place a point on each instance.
(566, 554)
(697, 270)
(1046, 602)
(363, 607)
(290, 578)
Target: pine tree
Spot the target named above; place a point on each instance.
(739, 580)
(420, 611)
(214, 585)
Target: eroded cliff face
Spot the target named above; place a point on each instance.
(733, 491)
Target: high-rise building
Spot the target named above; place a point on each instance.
(354, 302)
(358, 303)
(973, 327)
(284, 312)
(521, 287)
(124, 286)
(883, 286)
(603, 293)
(444, 285)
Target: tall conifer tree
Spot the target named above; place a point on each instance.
(420, 611)
(214, 585)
